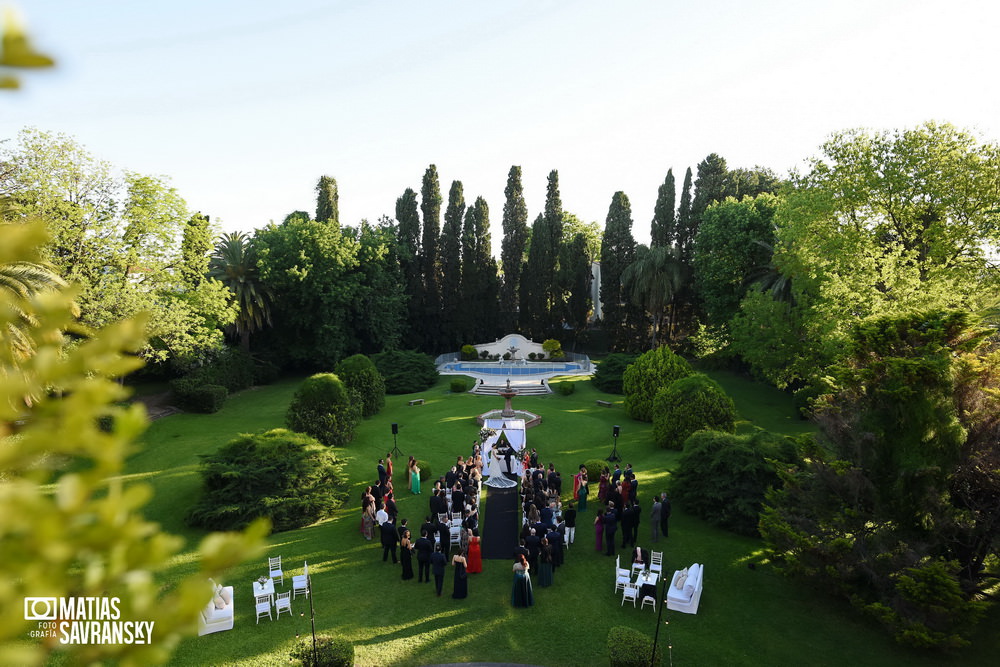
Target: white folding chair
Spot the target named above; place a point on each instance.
(264, 607)
(656, 562)
(283, 602)
(274, 569)
(631, 593)
(650, 600)
(637, 568)
(622, 577)
(300, 582)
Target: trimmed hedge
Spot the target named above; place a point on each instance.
(459, 386)
(360, 375)
(330, 652)
(628, 647)
(195, 396)
(233, 369)
(406, 372)
(565, 388)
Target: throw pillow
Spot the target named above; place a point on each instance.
(219, 602)
(227, 595)
(681, 579)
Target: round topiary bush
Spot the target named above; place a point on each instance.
(691, 404)
(553, 349)
(608, 376)
(406, 372)
(647, 375)
(360, 375)
(564, 388)
(323, 408)
(594, 469)
(329, 652)
(459, 386)
(425, 470)
(469, 353)
(194, 395)
(287, 477)
(628, 647)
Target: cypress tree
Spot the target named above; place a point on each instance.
(408, 250)
(684, 235)
(479, 275)
(451, 266)
(552, 302)
(196, 246)
(533, 283)
(617, 252)
(327, 200)
(430, 267)
(710, 186)
(515, 237)
(663, 231)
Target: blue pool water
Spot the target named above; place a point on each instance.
(529, 369)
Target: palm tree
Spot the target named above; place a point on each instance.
(768, 278)
(19, 281)
(653, 282)
(234, 264)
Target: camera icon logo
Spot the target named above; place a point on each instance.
(41, 609)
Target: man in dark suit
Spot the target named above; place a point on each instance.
(533, 543)
(628, 519)
(390, 506)
(438, 562)
(616, 475)
(521, 549)
(425, 547)
(610, 528)
(450, 477)
(389, 539)
(507, 452)
(664, 514)
(546, 515)
(457, 500)
(438, 503)
(555, 539)
(428, 527)
(444, 536)
(402, 528)
(382, 474)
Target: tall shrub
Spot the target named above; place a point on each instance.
(360, 375)
(608, 376)
(722, 477)
(643, 378)
(691, 404)
(406, 372)
(323, 408)
(287, 477)
(628, 647)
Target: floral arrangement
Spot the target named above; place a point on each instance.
(262, 580)
(486, 433)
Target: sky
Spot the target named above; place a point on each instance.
(244, 105)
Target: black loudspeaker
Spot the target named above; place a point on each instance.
(617, 430)
(395, 429)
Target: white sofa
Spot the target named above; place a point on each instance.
(216, 620)
(686, 599)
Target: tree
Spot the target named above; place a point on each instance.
(646, 375)
(895, 508)
(685, 225)
(691, 404)
(409, 253)
(480, 283)
(406, 372)
(732, 240)
(287, 477)
(653, 281)
(575, 278)
(234, 264)
(663, 230)
(451, 267)
(534, 316)
(324, 408)
(430, 266)
(327, 200)
(882, 223)
(359, 375)
(196, 245)
(19, 283)
(378, 313)
(608, 376)
(618, 249)
(515, 237)
(69, 525)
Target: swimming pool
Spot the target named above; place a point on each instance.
(513, 369)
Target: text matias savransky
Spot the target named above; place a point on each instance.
(85, 620)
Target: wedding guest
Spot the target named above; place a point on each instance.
(569, 516)
(599, 530)
(424, 547)
(521, 593)
(545, 566)
(475, 556)
(438, 563)
(405, 555)
(461, 585)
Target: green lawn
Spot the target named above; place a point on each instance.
(747, 617)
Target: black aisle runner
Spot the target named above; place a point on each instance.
(500, 528)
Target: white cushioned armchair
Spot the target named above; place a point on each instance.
(211, 619)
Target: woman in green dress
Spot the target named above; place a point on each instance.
(545, 564)
(582, 493)
(521, 594)
(415, 479)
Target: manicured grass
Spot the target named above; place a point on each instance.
(747, 617)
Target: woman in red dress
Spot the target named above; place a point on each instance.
(602, 488)
(475, 556)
